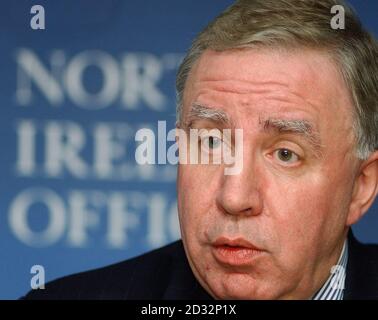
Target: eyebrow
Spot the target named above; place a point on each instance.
(200, 112)
(299, 127)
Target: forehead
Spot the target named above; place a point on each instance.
(306, 80)
(297, 74)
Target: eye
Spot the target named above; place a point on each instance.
(211, 142)
(287, 156)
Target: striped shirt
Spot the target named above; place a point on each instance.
(333, 289)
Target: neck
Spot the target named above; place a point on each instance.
(315, 280)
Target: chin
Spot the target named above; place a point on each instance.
(240, 287)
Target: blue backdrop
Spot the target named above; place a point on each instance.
(72, 97)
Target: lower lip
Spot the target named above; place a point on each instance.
(235, 256)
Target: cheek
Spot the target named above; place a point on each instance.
(196, 189)
(303, 212)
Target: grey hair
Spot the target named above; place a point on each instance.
(296, 24)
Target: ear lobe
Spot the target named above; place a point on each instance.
(365, 189)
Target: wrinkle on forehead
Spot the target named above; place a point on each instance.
(300, 71)
(302, 79)
(242, 87)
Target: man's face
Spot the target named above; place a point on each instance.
(275, 229)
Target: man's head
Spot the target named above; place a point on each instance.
(305, 97)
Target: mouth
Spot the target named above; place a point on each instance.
(235, 252)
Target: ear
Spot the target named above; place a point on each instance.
(365, 189)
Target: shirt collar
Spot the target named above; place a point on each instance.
(333, 288)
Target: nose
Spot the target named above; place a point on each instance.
(240, 194)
